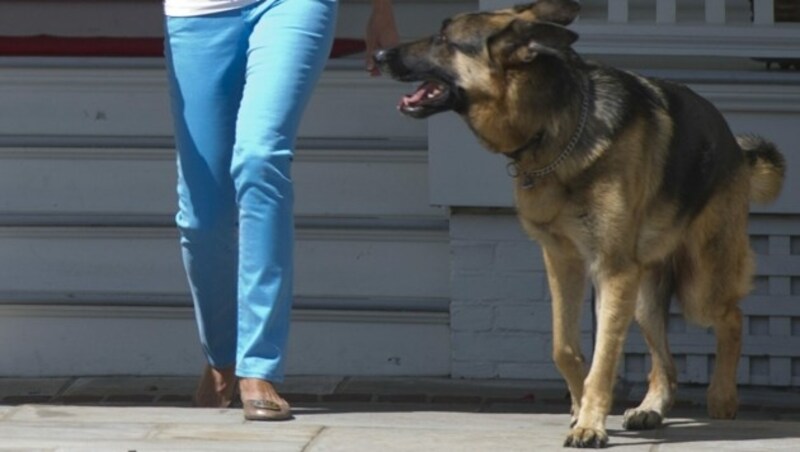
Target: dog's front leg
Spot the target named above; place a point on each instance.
(566, 276)
(618, 291)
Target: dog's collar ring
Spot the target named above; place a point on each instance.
(512, 169)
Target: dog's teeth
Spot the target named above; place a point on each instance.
(434, 93)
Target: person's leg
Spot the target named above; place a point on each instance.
(288, 46)
(206, 64)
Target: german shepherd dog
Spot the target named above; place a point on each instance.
(635, 183)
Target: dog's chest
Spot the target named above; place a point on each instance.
(549, 209)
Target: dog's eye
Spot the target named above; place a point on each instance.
(441, 38)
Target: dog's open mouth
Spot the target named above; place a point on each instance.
(430, 96)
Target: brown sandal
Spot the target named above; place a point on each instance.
(266, 410)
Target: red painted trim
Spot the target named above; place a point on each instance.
(61, 46)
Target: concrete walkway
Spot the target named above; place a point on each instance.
(405, 415)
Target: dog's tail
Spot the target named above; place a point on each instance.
(767, 167)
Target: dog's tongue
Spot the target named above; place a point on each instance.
(409, 100)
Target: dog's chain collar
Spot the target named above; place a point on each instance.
(529, 177)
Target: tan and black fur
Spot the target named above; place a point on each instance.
(634, 183)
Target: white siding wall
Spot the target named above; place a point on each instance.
(90, 252)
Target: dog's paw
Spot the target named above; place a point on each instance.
(636, 419)
(722, 403)
(585, 438)
(722, 409)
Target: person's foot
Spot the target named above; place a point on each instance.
(216, 388)
(261, 401)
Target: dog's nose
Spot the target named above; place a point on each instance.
(383, 55)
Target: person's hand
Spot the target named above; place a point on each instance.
(381, 32)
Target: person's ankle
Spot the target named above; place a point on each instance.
(216, 388)
(258, 389)
(250, 384)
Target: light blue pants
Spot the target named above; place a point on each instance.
(239, 83)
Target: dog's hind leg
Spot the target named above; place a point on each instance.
(566, 275)
(723, 401)
(709, 300)
(652, 308)
(726, 319)
(712, 275)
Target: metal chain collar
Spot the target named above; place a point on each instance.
(529, 176)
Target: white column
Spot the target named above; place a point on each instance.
(665, 11)
(489, 5)
(618, 11)
(763, 12)
(715, 12)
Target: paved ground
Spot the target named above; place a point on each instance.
(351, 414)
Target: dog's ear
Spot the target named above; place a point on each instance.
(522, 41)
(562, 12)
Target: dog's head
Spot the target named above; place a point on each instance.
(476, 56)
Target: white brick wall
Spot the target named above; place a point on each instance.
(500, 312)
